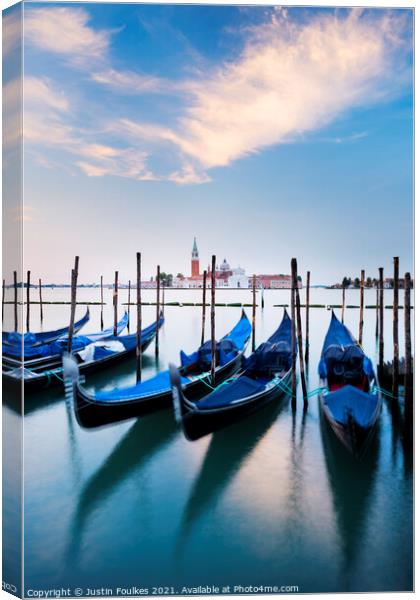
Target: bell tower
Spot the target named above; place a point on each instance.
(195, 262)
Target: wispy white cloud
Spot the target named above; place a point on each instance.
(105, 160)
(40, 92)
(289, 80)
(12, 115)
(129, 82)
(47, 124)
(349, 138)
(66, 31)
(188, 175)
(12, 31)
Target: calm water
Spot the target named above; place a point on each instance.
(273, 500)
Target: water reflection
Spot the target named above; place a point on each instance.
(351, 482)
(283, 487)
(138, 446)
(227, 451)
(394, 410)
(119, 375)
(295, 509)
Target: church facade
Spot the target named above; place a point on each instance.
(228, 277)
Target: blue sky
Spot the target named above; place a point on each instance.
(267, 133)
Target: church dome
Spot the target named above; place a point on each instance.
(225, 266)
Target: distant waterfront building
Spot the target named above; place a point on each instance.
(223, 272)
(196, 278)
(195, 260)
(228, 277)
(238, 279)
(275, 282)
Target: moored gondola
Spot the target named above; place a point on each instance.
(349, 398)
(46, 352)
(46, 370)
(264, 377)
(102, 408)
(13, 338)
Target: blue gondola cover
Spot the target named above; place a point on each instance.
(351, 401)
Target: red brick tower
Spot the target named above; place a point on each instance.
(195, 262)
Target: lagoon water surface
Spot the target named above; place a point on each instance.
(271, 501)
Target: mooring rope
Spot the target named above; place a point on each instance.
(214, 388)
(284, 387)
(53, 372)
(376, 388)
(316, 391)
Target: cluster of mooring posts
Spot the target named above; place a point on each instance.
(389, 374)
(138, 303)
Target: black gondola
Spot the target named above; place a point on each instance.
(35, 356)
(265, 376)
(94, 357)
(102, 408)
(349, 396)
(13, 338)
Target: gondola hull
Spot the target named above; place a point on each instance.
(49, 374)
(350, 398)
(54, 375)
(197, 423)
(92, 413)
(352, 435)
(44, 337)
(153, 394)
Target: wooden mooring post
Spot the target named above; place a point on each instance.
(262, 296)
(293, 318)
(381, 320)
(28, 300)
(115, 303)
(408, 374)
(157, 311)
(128, 304)
(102, 302)
(15, 300)
(3, 298)
(299, 331)
(362, 305)
(203, 313)
(395, 363)
(377, 311)
(41, 311)
(308, 284)
(213, 320)
(138, 336)
(254, 308)
(74, 276)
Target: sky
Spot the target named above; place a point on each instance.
(265, 132)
